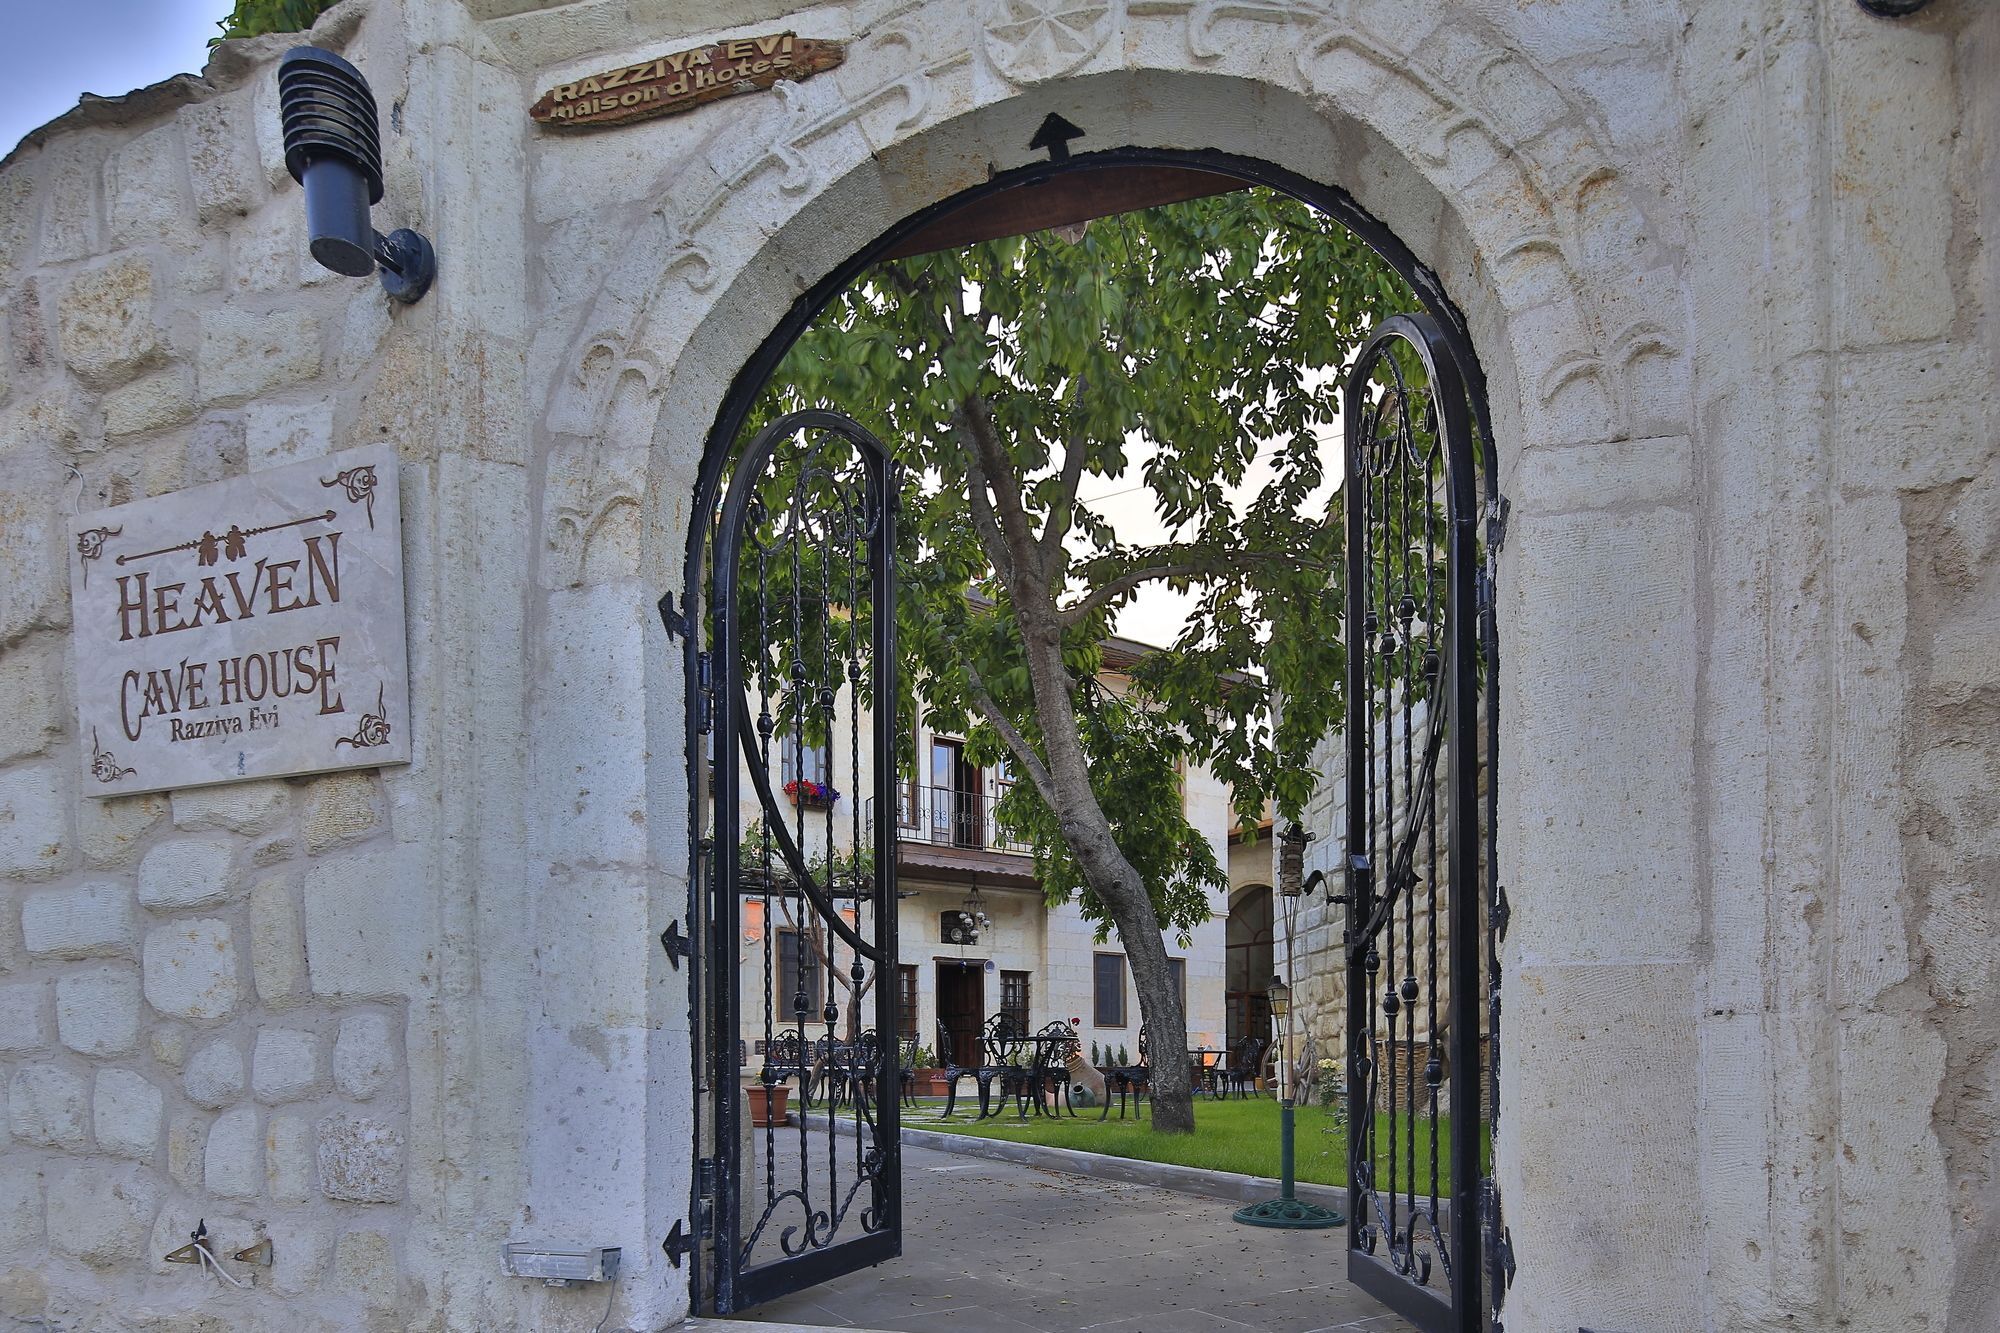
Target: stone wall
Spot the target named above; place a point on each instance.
(1726, 266)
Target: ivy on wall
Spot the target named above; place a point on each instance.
(254, 18)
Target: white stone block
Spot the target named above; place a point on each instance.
(22, 1006)
(34, 820)
(288, 1160)
(170, 1045)
(98, 1012)
(222, 168)
(233, 1163)
(249, 808)
(49, 1105)
(214, 1076)
(360, 1159)
(285, 1065)
(367, 924)
(242, 354)
(280, 433)
(89, 921)
(364, 1055)
(299, 1254)
(31, 698)
(146, 199)
(364, 1262)
(164, 398)
(113, 832)
(190, 969)
(187, 872)
(277, 946)
(104, 321)
(20, 1206)
(127, 1114)
(340, 807)
(185, 1137)
(101, 1215)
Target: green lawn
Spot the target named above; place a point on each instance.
(1232, 1135)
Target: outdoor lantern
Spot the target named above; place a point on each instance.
(333, 148)
(1280, 996)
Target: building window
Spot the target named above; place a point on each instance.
(1014, 998)
(786, 983)
(1178, 968)
(906, 1001)
(805, 761)
(1108, 990)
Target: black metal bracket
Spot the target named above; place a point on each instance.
(677, 945)
(1497, 510)
(1502, 910)
(1054, 135)
(679, 1244)
(675, 621)
(406, 264)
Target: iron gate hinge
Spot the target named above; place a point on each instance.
(1497, 510)
(679, 1244)
(675, 621)
(704, 683)
(1502, 910)
(677, 945)
(705, 1177)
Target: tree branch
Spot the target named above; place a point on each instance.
(1062, 511)
(1037, 771)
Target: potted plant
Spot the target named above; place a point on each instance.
(811, 794)
(931, 1081)
(770, 1105)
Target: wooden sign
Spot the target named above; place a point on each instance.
(685, 79)
(251, 628)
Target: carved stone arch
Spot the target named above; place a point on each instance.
(1459, 145)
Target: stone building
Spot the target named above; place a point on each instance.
(1727, 267)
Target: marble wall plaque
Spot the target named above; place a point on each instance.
(247, 629)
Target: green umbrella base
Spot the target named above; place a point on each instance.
(1292, 1214)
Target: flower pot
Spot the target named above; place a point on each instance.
(768, 1105)
(932, 1083)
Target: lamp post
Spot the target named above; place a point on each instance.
(1287, 1210)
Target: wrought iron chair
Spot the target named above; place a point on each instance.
(1133, 1081)
(851, 1069)
(786, 1056)
(1055, 1043)
(906, 1064)
(1246, 1064)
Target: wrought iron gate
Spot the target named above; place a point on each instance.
(795, 715)
(1424, 905)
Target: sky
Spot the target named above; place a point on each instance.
(56, 50)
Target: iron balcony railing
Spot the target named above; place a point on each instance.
(950, 817)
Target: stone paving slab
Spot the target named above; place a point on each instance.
(999, 1247)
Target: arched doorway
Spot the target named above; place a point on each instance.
(1252, 963)
(688, 308)
(1064, 191)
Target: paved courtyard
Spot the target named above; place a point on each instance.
(994, 1246)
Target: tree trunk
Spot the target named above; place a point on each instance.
(1111, 876)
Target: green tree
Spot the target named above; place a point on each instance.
(1191, 349)
(254, 18)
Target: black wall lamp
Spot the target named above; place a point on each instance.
(333, 148)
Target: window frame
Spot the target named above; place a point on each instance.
(1026, 980)
(781, 977)
(1097, 1018)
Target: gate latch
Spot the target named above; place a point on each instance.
(679, 1244)
(677, 945)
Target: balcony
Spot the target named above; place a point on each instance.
(948, 833)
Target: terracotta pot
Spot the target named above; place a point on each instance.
(768, 1105)
(932, 1083)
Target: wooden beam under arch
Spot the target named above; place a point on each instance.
(1064, 199)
